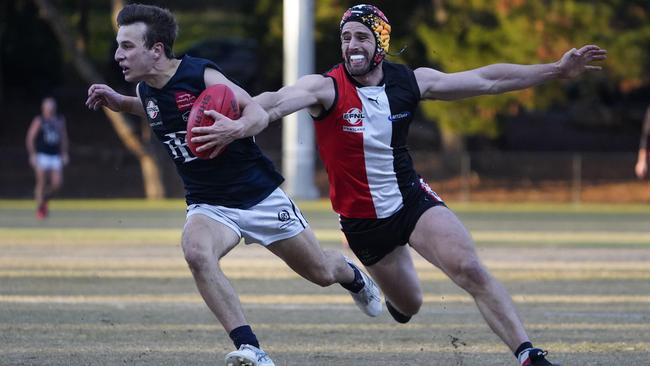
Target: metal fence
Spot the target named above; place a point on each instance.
(475, 176)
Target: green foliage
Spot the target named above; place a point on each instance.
(449, 35)
(466, 34)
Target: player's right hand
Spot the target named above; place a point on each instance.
(101, 95)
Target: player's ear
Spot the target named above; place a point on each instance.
(159, 49)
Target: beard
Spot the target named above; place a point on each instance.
(359, 70)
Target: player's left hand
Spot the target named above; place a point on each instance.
(575, 61)
(221, 133)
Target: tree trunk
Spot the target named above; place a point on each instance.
(452, 142)
(151, 176)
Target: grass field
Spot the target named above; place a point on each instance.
(105, 283)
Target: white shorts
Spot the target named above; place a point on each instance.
(48, 162)
(275, 218)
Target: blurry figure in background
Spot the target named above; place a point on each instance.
(641, 168)
(47, 144)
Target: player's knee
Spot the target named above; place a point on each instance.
(411, 304)
(56, 185)
(472, 275)
(196, 256)
(321, 275)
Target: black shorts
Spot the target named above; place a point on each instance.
(372, 239)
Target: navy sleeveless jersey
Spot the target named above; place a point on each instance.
(48, 138)
(362, 142)
(240, 177)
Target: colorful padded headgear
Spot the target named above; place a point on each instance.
(376, 21)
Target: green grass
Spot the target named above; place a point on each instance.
(324, 205)
(141, 222)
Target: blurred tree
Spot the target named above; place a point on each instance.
(464, 34)
(459, 35)
(140, 147)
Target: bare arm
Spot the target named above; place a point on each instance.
(501, 78)
(253, 118)
(31, 138)
(101, 95)
(641, 168)
(31, 135)
(309, 91)
(224, 130)
(315, 92)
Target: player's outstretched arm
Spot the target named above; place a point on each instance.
(501, 78)
(315, 92)
(101, 95)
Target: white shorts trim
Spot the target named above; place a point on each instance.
(48, 162)
(275, 218)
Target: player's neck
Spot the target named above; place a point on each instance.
(371, 78)
(161, 72)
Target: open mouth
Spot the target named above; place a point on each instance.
(357, 60)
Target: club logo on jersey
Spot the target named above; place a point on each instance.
(283, 215)
(151, 106)
(184, 100)
(285, 219)
(399, 116)
(354, 117)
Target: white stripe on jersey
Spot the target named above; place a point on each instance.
(378, 152)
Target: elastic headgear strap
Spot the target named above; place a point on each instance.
(376, 21)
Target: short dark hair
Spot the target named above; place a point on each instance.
(161, 24)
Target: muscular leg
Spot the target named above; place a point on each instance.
(56, 181)
(304, 255)
(325, 267)
(396, 276)
(39, 187)
(441, 239)
(204, 243)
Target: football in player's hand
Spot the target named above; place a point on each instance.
(218, 97)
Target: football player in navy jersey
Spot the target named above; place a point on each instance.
(641, 167)
(232, 196)
(362, 109)
(47, 145)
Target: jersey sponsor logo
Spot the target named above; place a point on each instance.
(376, 100)
(354, 117)
(184, 100)
(399, 116)
(153, 112)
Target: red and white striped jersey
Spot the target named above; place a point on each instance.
(362, 142)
